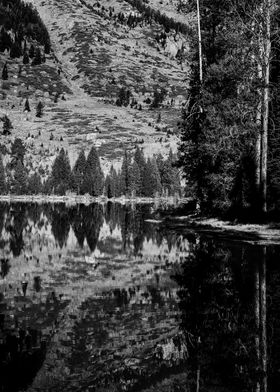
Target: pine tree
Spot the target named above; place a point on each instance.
(93, 183)
(216, 136)
(7, 125)
(135, 179)
(39, 109)
(140, 160)
(78, 173)
(25, 59)
(26, 106)
(5, 72)
(19, 181)
(17, 151)
(159, 118)
(61, 176)
(16, 50)
(3, 183)
(111, 183)
(152, 181)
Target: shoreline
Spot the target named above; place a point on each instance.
(266, 233)
(87, 200)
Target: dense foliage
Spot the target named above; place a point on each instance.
(222, 122)
(24, 21)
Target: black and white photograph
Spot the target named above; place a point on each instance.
(139, 196)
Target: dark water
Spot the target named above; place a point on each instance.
(105, 298)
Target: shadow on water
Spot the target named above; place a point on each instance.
(101, 298)
(229, 300)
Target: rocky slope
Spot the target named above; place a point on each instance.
(95, 53)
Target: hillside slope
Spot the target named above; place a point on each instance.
(97, 50)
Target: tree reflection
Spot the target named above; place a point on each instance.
(225, 328)
(93, 220)
(60, 224)
(15, 224)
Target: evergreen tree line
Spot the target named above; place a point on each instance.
(33, 55)
(151, 14)
(144, 177)
(223, 121)
(25, 22)
(147, 14)
(138, 176)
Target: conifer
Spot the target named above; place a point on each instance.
(39, 109)
(78, 173)
(26, 106)
(7, 125)
(61, 178)
(19, 181)
(34, 184)
(5, 72)
(25, 58)
(3, 183)
(17, 151)
(93, 183)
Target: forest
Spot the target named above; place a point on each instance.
(230, 147)
(138, 176)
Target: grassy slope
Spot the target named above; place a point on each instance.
(97, 56)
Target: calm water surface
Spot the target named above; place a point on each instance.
(115, 298)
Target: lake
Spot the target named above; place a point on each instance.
(119, 298)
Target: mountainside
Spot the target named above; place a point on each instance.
(115, 77)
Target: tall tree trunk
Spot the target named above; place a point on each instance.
(199, 43)
(266, 79)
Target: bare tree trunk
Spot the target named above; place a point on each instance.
(266, 80)
(199, 43)
(258, 142)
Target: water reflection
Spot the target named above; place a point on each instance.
(223, 302)
(102, 298)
